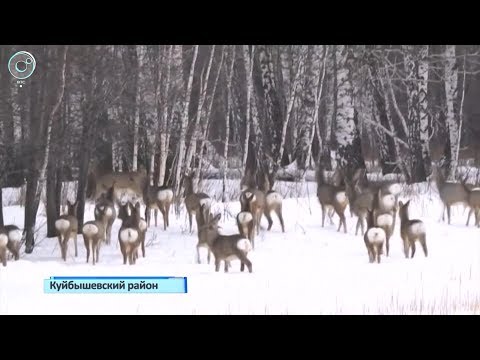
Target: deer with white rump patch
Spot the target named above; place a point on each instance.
(105, 211)
(411, 231)
(14, 236)
(129, 233)
(67, 228)
(225, 247)
(374, 238)
(194, 200)
(94, 234)
(331, 196)
(158, 198)
(384, 212)
(246, 226)
(359, 202)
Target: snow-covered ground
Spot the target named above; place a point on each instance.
(306, 270)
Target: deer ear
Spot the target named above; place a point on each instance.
(407, 203)
(217, 217)
(400, 203)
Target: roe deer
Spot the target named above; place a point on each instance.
(385, 213)
(67, 227)
(253, 200)
(194, 200)
(131, 183)
(359, 202)
(14, 236)
(451, 193)
(246, 226)
(94, 234)
(411, 231)
(374, 238)
(226, 247)
(473, 203)
(333, 197)
(3, 246)
(202, 216)
(129, 233)
(158, 198)
(105, 210)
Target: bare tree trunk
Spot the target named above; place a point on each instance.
(423, 69)
(229, 75)
(206, 121)
(451, 93)
(164, 118)
(192, 146)
(318, 95)
(184, 122)
(140, 50)
(349, 150)
(248, 60)
(417, 117)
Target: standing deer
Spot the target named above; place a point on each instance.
(131, 184)
(451, 193)
(384, 212)
(331, 197)
(374, 238)
(473, 203)
(226, 247)
(202, 216)
(14, 239)
(129, 234)
(194, 200)
(246, 226)
(67, 227)
(411, 231)
(158, 198)
(360, 202)
(105, 210)
(94, 234)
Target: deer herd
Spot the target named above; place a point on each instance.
(375, 204)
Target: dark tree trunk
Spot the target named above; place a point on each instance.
(1, 208)
(51, 198)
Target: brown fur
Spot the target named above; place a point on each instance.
(132, 182)
(132, 221)
(106, 200)
(327, 195)
(93, 242)
(3, 247)
(64, 235)
(12, 246)
(247, 228)
(408, 233)
(360, 201)
(451, 193)
(153, 203)
(380, 207)
(374, 250)
(192, 199)
(202, 217)
(223, 247)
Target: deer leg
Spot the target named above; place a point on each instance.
(468, 217)
(208, 255)
(75, 243)
(14, 250)
(242, 266)
(98, 251)
(143, 245)
(413, 249)
(330, 216)
(198, 255)
(156, 216)
(387, 244)
(167, 211)
(448, 213)
(269, 218)
(225, 265)
(217, 265)
(64, 245)
(278, 211)
(358, 226)
(405, 248)
(442, 217)
(423, 242)
(3, 256)
(323, 215)
(162, 210)
(378, 253)
(190, 220)
(87, 247)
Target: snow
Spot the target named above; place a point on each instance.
(306, 270)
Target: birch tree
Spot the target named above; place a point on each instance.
(349, 151)
(451, 93)
(184, 123)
